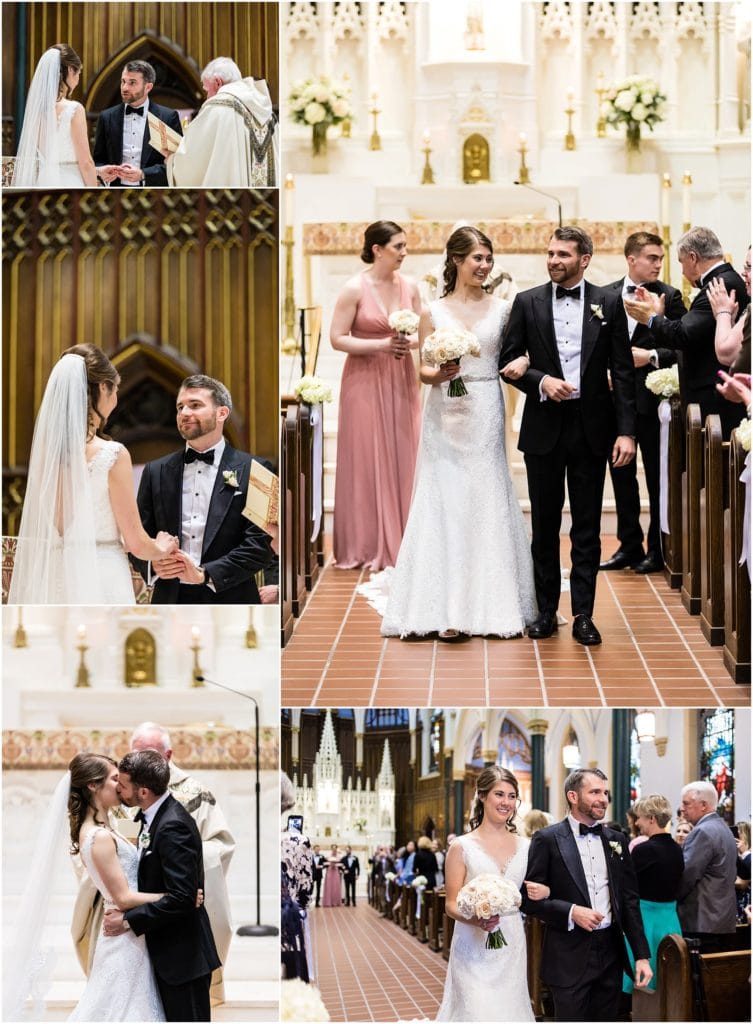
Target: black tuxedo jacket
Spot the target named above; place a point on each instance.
(354, 870)
(693, 335)
(554, 860)
(178, 935)
(108, 141)
(317, 865)
(234, 548)
(530, 329)
(647, 403)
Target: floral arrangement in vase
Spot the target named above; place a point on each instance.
(318, 103)
(634, 102)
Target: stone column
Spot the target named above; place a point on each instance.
(538, 727)
(619, 782)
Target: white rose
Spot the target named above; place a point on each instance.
(321, 93)
(638, 113)
(341, 108)
(625, 99)
(647, 97)
(314, 113)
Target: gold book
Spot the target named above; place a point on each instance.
(161, 135)
(262, 497)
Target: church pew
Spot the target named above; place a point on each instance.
(534, 944)
(692, 481)
(313, 550)
(422, 921)
(736, 579)
(714, 499)
(391, 893)
(672, 541)
(436, 920)
(296, 481)
(288, 481)
(411, 902)
(724, 986)
(448, 926)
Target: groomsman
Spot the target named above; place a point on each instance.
(571, 332)
(317, 870)
(352, 869)
(644, 253)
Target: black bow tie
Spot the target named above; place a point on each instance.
(568, 293)
(135, 110)
(191, 455)
(140, 816)
(593, 830)
(632, 288)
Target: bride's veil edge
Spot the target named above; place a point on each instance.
(38, 159)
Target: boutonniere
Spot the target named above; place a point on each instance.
(616, 848)
(597, 311)
(145, 840)
(231, 480)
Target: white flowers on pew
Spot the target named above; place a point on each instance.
(313, 390)
(743, 433)
(419, 882)
(299, 1001)
(665, 383)
(488, 896)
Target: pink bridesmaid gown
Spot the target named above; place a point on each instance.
(377, 440)
(333, 886)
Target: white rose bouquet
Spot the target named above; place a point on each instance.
(634, 102)
(318, 103)
(313, 390)
(299, 1001)
(488, 896)
(664, 383)
(449, 345)
(404, 321)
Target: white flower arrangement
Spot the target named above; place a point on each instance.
(404, 321)
(448, 345)
(360, 824)
(597, 311)
(743, 433)
(616, 848)
(318, 103)
(634, 102)
(420, 882)
(390, 876)
(299, 1001)
(665, 383)
(313, 390)
(488, 896)
(228, 475)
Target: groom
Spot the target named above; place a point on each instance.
(178, 935)
(593, 900)
(571, 332)
(198, 494)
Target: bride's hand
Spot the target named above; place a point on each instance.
(537, 890)
(166, 543)
(515, 369)
(489, 924)
(439, 374)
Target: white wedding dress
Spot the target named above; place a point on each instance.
(465, 558)
(121, 986)
(69, 173)
(488, 984)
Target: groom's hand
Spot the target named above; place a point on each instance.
(179, 567)
(586, 918)
(623, 451)
(556, 389)
(133, 175)
(643, 973)
(114, 923)
(108, 172)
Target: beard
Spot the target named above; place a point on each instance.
(197, 428)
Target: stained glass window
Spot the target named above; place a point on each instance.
(435, 741)
(514, 748)
(717, 729)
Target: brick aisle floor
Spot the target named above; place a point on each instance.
(367, 968)
(653, 654)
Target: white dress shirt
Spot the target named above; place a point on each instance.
(568, 330)
(134, 126)
(150, 813)
(198, 483)
(594, 860)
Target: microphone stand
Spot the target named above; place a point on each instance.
(257, 929)
(524, 184)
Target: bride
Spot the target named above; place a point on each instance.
(488, 984)
(464, 564)
(53, 151)
(79, 499)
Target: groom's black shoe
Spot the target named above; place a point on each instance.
(543, 626)
(585, 632)
(622, 560)
(653, 562)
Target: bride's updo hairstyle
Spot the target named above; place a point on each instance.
(460, 243)
(378, 233)
(69, 59)
(490, 776)
(99, 370)
(86, 769)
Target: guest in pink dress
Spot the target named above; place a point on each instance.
(333, 885)
(380, 412)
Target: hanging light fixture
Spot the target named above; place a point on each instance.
(645, 726)
(571, 752)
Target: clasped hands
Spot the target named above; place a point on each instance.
(174, 563)
(125, 172)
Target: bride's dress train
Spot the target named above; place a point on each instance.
(488, 984)
(121, 986)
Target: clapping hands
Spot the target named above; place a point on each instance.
(644, 305)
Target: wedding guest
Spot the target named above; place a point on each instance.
(702, 259)
(659, 865)
(296, 886)
(379, 412)
(333, 888)
(732, 335)
(741, 831)
(351, 869)
(533, 821)
(53, 148)
(571, 426)
(644, 253)
(425, 862)
(317, 867)
(122, 151)
(234, 140)
(440, 854)
(706, 901)
(682, 831)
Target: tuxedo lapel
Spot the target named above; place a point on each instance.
(171, 493)
(544, 320)
(223, 495)
(609, 857)
(117, 134)
(147, 152)
(569, 850)
(591, 328)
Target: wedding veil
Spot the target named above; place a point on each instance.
(56, 552)
(27, 964)
(38, 160)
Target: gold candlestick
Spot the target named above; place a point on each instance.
(251, 632)
(569, 137)
(196, 647)
(289, 345)
(82, 677)
(375, 142)
(346, 125)
(427, 178)
(20, 639)
(523, 176)
(601, 122)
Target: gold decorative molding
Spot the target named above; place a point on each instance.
(205, 748)
(538, 726)
(529, 237)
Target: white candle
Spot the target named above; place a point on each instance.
(666, 185)
(195, 634)
(570, 97)
(427, 137)
(523, 140)
(82, 632)
(289, 186)
(687, 181)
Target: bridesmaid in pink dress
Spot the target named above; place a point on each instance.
(333, 884)
(380, 412)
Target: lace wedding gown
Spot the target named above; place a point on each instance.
(465, 561)
(488, 984)
(121, 986)
(69, 173)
